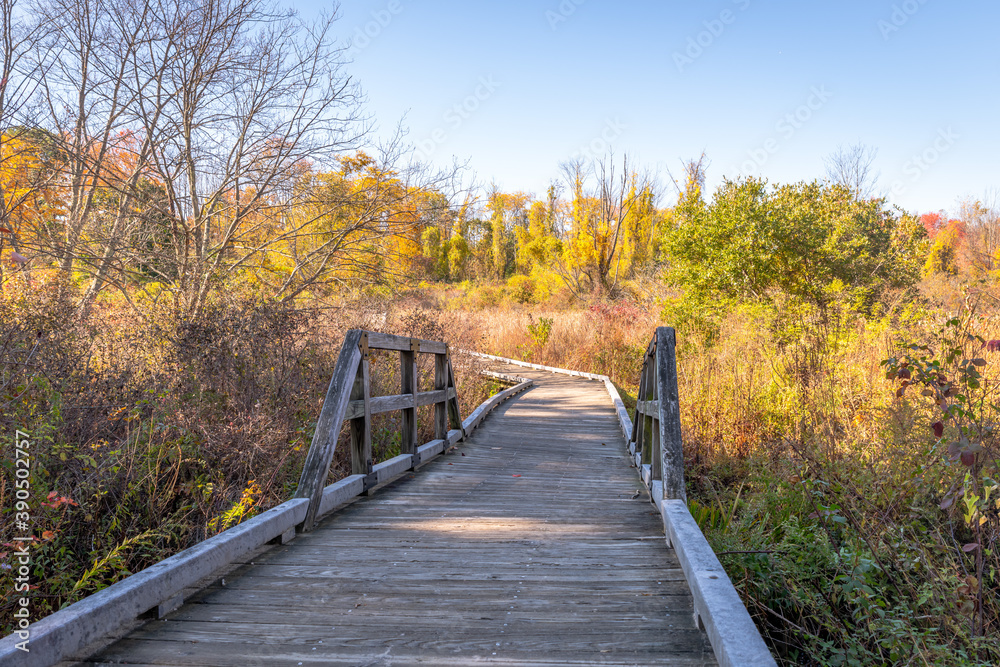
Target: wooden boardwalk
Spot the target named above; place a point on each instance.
(533, 543)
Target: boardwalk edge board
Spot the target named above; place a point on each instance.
(67, 632)
(735, 639)
(717, 606)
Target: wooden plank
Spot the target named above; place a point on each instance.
(510, 550)
(408, 386)
(381, 341)
(718, 607)
(381, 404)
(432, 448)
(440, 407)
(624, 423)
(317, 464)
(338, 493)
(69, 630)
(477, 415)
(454, 410)
(671, 446)
(394, 467)
(361, 431)
(648, 407)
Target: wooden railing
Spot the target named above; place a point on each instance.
(656, 429)
(160, 588)
(349, 397)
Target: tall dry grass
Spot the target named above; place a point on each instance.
(156, 433)
(820, 489)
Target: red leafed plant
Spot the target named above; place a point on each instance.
(949, 379)
(55, 501)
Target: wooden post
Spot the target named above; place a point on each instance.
(454, 411)
(408, 375)
(652, 422)
(324, 442)
(361, 427)
(440, 408)
(639, 421)
(670, 415)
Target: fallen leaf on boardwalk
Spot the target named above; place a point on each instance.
(515, 475)
(604, 444)
(463, 453)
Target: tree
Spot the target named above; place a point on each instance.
(981, 222)
(801, 239)
(853, 167)
(508, 214)
(612, 224)
(24, 173)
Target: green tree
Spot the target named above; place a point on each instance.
(802, 239)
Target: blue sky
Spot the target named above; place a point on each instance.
(764, 88)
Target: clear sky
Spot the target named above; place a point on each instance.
(768, 88)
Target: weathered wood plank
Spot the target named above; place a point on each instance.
(381, 404)
(361, 426)
(381, 341)
(71, 629)
(531, 543)
(317, 464)
(408, 385)
(671, 446)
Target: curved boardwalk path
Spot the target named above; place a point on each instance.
(533, 543)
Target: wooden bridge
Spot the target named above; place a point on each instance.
(531, 540)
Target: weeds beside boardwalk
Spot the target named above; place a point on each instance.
(852, 532)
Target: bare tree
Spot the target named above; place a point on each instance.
(22, 58)
(100, 156)
(613, 219)
(853, 167)
(982, 229)
(695, 171)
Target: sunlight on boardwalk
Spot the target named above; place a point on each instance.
(532, 544)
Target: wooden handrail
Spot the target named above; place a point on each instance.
(656, 428)
(349, 397)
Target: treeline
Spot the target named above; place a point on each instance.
(178, 145)
(164, 150)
